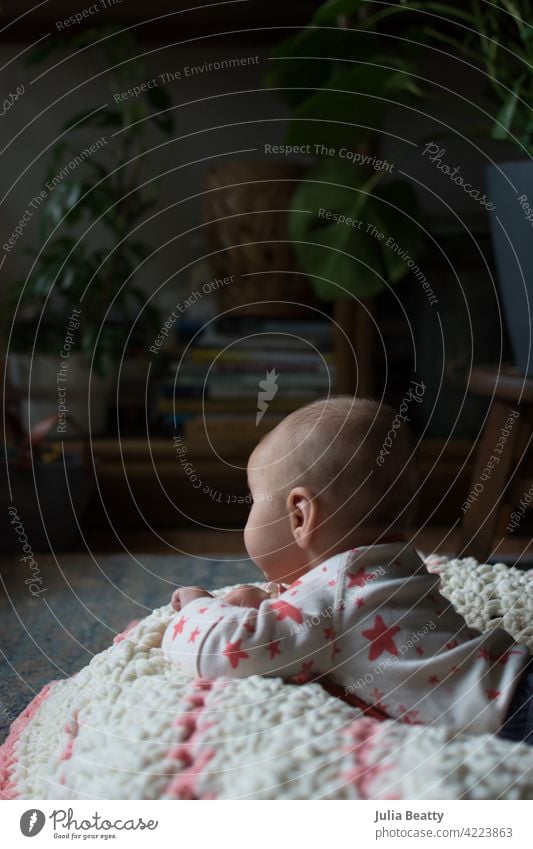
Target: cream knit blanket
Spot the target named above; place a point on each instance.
(130, 725)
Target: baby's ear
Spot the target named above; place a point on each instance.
(302, 510)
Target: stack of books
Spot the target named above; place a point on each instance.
(248, 368)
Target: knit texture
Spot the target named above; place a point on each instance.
(130, 725)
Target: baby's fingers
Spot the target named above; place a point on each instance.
(184, 595)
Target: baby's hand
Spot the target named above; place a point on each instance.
(246, 597)
(184, 595)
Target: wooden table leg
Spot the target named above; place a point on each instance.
(353, 336)
(493, 466)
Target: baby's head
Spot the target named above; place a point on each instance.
(335, 474)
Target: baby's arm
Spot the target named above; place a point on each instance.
(246, 597)
(211, 638)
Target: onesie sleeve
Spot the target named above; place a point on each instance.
(290, 637)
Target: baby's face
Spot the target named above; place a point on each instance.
(267, 535)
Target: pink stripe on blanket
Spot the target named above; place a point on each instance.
(8, 754)
(191, 753)
(366, 744)
(71, 730)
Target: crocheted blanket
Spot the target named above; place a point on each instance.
(130, 725)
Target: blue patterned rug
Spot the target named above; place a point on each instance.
(82, 606)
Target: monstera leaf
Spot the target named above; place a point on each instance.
(302, 64)
(359, 243)
(350, 108)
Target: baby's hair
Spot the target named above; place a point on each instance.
(356, 453)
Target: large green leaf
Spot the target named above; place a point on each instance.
(302, 64)
(347, 239)
(351, 107)
(393, 210)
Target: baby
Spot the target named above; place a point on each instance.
(350, 603)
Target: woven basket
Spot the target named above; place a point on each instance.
(245, 209)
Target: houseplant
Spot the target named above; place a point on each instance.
(497, 37)
(340, 82)
(79, 289)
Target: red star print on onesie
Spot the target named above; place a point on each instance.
(360, 578)
(410, 717)
(331, 636)
(381, 638)
(234, 654)
(293, 586)
(377, 695)
(492, 694)
(419, 650)
(178, 627)
(360, 602)
(433, 679)
(193, 635)
(483, 654)
(305, 675)
(274, 648)
(286, 610)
